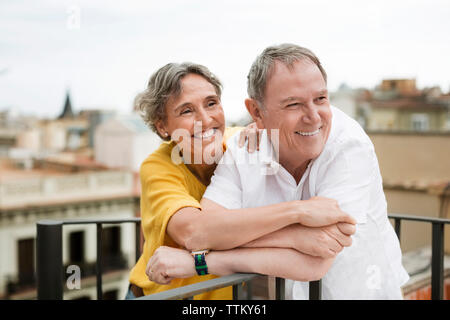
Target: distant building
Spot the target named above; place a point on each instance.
(416, 181)
(95, 118)
(397, 105)
(346, 99)
(57, 190)
(67, 112)
(124, 142)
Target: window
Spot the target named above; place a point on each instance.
(111, 252)
(419, 122)
(76, 243)
(26, 261)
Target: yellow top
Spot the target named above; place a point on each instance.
(167, 188)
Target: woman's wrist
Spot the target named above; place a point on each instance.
(219, 263)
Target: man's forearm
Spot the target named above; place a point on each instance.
(282, 238)
(279, 262)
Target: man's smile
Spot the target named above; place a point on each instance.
(308, 133)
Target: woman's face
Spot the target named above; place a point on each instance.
(195, 120)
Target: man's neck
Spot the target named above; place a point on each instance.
(295, 170)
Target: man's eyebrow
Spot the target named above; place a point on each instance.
(324, 91)
(288, 99)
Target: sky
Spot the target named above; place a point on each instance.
(105, 51)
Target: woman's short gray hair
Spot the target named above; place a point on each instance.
(262, 67)
(166, 83)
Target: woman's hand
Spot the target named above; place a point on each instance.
(168, 263)
(253, 135)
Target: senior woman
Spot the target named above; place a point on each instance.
(182, 105)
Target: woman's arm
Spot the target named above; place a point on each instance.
(215, 227)
(169, 263)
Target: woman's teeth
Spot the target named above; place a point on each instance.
(206, 134)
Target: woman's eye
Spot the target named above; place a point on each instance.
(212, 103)
(186, 111)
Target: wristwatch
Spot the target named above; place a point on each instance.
(200, 262)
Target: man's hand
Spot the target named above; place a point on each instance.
(168, 263)
(325, 242)
(320, 212)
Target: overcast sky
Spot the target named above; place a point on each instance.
(105, 51)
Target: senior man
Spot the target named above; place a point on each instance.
(309, 149)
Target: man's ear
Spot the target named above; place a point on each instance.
(255, 112)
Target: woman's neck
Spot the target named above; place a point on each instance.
(203, 172)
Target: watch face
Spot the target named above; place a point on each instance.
(199, 252)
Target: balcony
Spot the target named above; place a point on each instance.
(50, 267)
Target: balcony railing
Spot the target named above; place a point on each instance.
(49, 254)
(50, 266)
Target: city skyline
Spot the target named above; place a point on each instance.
(105, 53)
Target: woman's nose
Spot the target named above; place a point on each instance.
(204, 117)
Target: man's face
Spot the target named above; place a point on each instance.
(296, 103)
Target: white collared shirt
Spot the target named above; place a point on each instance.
(347, 170)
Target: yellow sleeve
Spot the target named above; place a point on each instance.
(164, 192)
(230, 131)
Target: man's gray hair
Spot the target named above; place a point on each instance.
(262, 67)
(166, 83)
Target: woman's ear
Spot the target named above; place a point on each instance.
(255, 112)
(161, 128)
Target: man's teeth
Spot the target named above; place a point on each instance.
(206, 134)
(308, 133)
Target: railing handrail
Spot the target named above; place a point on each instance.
(418, 218)
(201, 287)
(55, 226)
(102, 221)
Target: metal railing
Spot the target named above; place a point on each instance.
(437, 249)
(50, 264)
(49, 254)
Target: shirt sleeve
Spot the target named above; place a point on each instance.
(225, 188)
(349, 177)
(164, 192)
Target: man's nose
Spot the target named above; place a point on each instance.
(311, 114)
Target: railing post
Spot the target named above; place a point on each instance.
(238, 292)
(49, 260)
(99, 262)
(315, 290)
(437, 261)
(279, 289)
(397, 227)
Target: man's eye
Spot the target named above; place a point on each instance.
(292, 105)
(212, 103)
